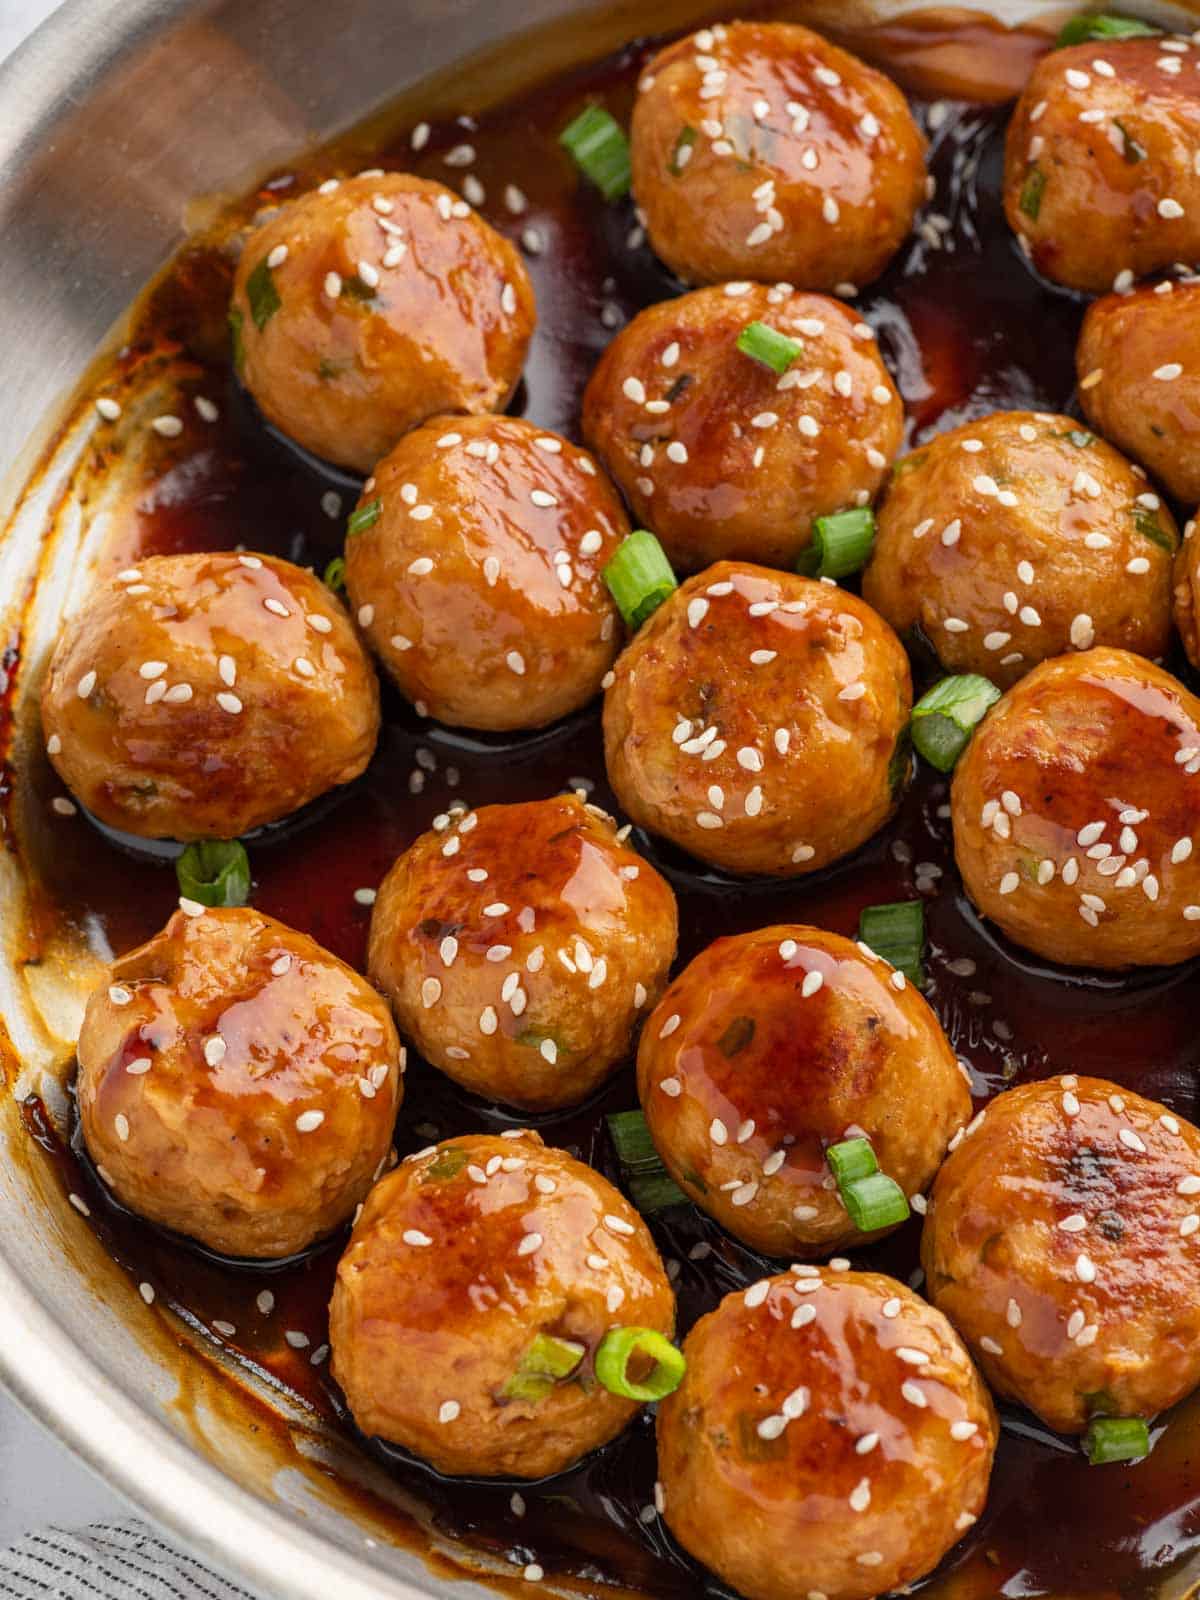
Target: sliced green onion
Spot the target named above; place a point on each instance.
(651, 1188)
(655, 1191)
(236, 321)
(897, 933)
(768, 345)
(1104, 26)
(356, 288)
(618, 1348)
(1116, 1439)
(1130, 148)
(215, 872)
(1148, 525)
(364, 517)
(875, 1202)
(639, 577)
(681, 154)
(262, 295)
(945, 717)
(841, 544)
(546, 1361)
(1032, 190)
(850, 1160)
(334, 576)
(600, 149)
(448, 1165)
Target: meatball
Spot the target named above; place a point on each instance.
(1017, 537)
(464, 1260)
(1139, 379)
(1187, 593)
(1099, 181)
(1061, 1240)
(759, 720)
(370, 304)
(200, 696)
(520, 945)
(760, 150)
(237, 1083)
(476, 575)
(774, 1045)
(1076, 809)
(719, 454)
(830, 1437)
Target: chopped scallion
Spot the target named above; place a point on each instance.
(682, 152)
(651, 1188)
(639, 577)
(262, 295)
(334, 576)
(896, 932)
(768, 346)
(1116, 1439)
(841, 544)
(1147, 524)
(945, 717)
(655, 1191)
(601, 150)
(364, 517)
(851, 1159)
(236, 341)
(621, 1346)
(875, 1202)
(545, 1362)
(215, 872)
(1103, 25)
(1032, 190)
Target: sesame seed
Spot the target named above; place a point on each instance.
(1168, 372)
(416, 1238)
(913, 1393)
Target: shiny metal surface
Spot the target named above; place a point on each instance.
(119, 124)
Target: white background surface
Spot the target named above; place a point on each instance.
(40, 1481)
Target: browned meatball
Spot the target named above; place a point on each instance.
(463, 1258)
(1187, 593)
(368, 305)
(1076, 809)
(721, 455)
(237, 1083)
(520, 945)
(774, 1045)
(476, 575)
(199, 696)
(759, 720)
(760, 150)
(830, 1438)
(1062, 1241)
(1100, 182)
(1138, 360)
(1017, 537)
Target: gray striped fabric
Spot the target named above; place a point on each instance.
(113, 1560)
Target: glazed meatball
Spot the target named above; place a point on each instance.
(759, 720)
(1099, 181)
(200, 696)
(476, 577)
(1138, 361)
(1186, 598)
(371, 304)
(520, 945)
(774, 1045)
(830, 1437)
(760, 150)
(237, 1083)
(1061, 1240)
(1017, 537)
(719, 454)
(1076, 809)
(465, 1257)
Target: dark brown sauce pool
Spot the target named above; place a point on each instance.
(967, 330)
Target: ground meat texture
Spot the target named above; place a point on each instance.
(759, 721)
(1138, 361)
(1020, 536)
(238, 1084)
(1186, 597)
(368, 305)
(520, 945)
(724, 457)
(461, 1259)
(1075, 812)
(760, 150)
(772, 1046)
(831, 1437)
(476, 575)
(200, 696)
(1100, 182)
(1063, 1242)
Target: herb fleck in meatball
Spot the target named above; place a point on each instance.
(464, 1262)
(200, 696)
(760, 150)
(237, 1083)
(1063, 1242)
(520, 945)
(368, 305)
(830, 1437)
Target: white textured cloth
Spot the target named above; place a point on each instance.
(117, 1560)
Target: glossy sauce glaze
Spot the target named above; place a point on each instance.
(965, 328)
